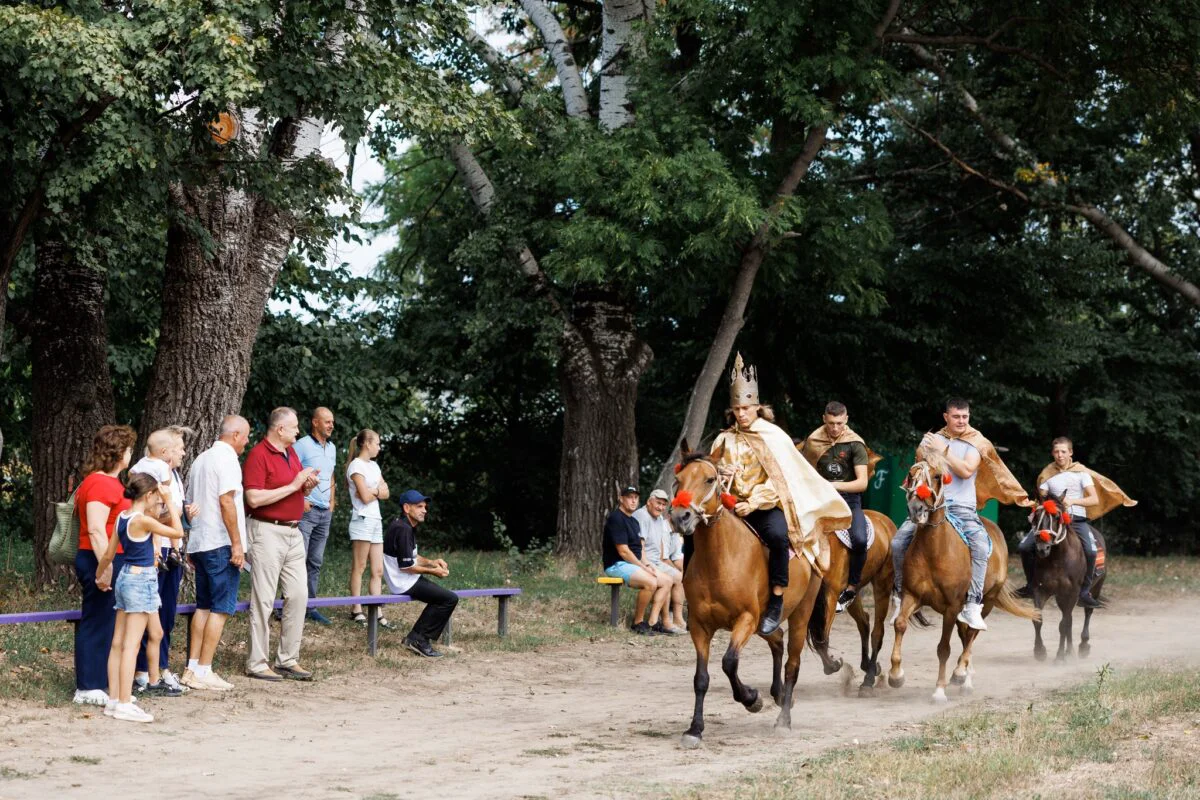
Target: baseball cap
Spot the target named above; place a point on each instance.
(412, 497)
(628, 490)
(659, 494)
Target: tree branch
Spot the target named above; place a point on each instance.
(987, 42)
(565, 67)
(495, 62)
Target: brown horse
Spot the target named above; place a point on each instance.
(877, 573)
(1061, 566)
(725, 581)
(937, 573)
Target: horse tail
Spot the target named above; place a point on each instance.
(920, 619)
(816, 620)
(1007, 600)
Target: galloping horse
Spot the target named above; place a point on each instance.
(937, 573)
(725, 581)
(1061, 566)
(877, 571)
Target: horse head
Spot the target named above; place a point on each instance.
(698, 492)
(1050, 519)
(923, 488)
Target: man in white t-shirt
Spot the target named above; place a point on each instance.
(405, 572)
(1078, 491)
(216, 547)
(658, 549)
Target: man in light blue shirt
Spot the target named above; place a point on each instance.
(318, 451)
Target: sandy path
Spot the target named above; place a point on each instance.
(599, 719)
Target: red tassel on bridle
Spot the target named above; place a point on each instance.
(728, 500)
(683, 499)
(677, 468)
(924, 492)
(1050, 507)
(1044, 535)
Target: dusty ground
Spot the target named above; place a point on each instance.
(599, 719)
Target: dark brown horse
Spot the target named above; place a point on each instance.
(877, 573)
(937, 573)
(1061, 567)
(725, 581)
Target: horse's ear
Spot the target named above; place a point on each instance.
(684, 449)
(719, 453)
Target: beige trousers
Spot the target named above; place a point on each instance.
(277, 557)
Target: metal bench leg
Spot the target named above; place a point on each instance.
(446, 635)
(372, 629)
(502, 616)
(614, 616)
(187, 631)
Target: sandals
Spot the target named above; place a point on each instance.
(359, 617)
(383, 623)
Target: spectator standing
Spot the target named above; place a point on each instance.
(216, 548)
(318, 451)
(367, 487)
(165, 450)
(405, 570)
(275, 483)
(98, 500)
(623, 559)
(657, 549)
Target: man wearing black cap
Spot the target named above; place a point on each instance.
(405, 572)
(623, 559)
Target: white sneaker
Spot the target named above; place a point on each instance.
(168, 677)
(128, 712)
(191, 680)
(972, 616)
(109, 707)
(215, 682)
(91, 697)
(894, 613)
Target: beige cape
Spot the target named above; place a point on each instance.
(1109, 493)
(811, 505)
(993, 481)
(818, 443)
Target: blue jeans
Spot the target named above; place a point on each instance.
(977, 537)
(314, 527)
(94, 633)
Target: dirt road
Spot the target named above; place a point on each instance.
(599, 719)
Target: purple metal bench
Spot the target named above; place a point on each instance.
(372, 603)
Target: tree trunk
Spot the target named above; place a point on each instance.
(72, 389)
(621, 43)
(602, 360)
(212, 306)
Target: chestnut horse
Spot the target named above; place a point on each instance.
(937, 573)
(1061, 566)
(725, 581)
(876, 573)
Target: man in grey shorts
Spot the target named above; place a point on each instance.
(657, 548)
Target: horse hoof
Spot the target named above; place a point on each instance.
(895, 682)
(1040, 655)
(833, 666)
(689, 742)
(939, 696)
(958, 680)
(866, 690)
(782, 729)
(1084, 649)
(756, 706)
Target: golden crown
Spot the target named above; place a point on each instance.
(743, 384)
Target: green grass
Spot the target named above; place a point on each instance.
(1016, 752)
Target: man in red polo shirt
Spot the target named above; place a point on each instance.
(275, 483)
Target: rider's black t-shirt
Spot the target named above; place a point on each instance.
(621, 528)
(839, 461)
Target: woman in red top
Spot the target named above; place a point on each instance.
(98, 501)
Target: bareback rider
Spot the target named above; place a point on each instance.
(977, 475)
(1089, 495)
(777, 492)
(841, 457)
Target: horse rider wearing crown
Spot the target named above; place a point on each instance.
(777, 492)
(977, 474)
(1088, 495)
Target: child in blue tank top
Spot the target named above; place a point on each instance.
(136, 590)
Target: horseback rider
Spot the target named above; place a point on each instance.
(976, 475)
(1089, 496)
(841, 457)
(776, 491)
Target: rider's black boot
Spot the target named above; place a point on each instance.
(1029, 562)
(1085, 591)
(773, 615)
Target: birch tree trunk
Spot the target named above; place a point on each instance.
(213, 303)
(72, 388)
(622, 41)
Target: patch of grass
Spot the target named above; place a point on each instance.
(85, 760)
(1012, 752)
(545, 752)
(656, 734)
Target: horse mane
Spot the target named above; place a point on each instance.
(695, 455)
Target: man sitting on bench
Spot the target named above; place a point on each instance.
(405, 573)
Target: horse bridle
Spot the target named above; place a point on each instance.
(1058, 525)
(697, 507)
(925, 477)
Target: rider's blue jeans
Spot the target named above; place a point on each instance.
(977, 538)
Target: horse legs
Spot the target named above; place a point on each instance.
(1085, 638)
(943, 651)
(775, 640)
(701, 639)
(963, 671)
(1066, 645)
(1039, 647)
(743, 629)
(821, 646)
(883, 595)
(859, 615)
(797, 625)
(907, 606)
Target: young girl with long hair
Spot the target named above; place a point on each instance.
(136, 590)
(367, 487)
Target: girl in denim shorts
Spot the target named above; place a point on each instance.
(136, 590)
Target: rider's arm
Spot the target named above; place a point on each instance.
(1090, 498)
(962, 467)
(856, 486)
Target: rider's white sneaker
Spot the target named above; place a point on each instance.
(972, 616)
(895, 612)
